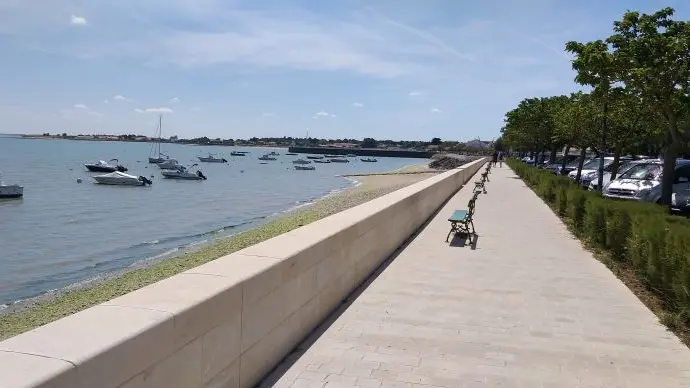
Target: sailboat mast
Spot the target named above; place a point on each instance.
(160, 133)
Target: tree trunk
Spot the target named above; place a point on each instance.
(552, 157)
(616, 161)
(583, 153)
(668, 174)
(565, 158)
(602, 152)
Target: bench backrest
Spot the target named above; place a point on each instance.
(471, 204)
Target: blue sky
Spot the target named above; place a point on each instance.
(397, 69)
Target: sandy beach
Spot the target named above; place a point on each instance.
(38, 311)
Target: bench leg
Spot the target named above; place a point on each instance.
(452, 228)
(474, 232)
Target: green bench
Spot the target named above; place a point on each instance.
(461, 220)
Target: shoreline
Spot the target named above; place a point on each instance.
(37, 311)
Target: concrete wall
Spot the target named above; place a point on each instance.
(228, 322)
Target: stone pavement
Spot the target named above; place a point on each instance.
(529, 307)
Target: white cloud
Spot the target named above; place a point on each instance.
(78, 20)
(120, 97)
(435, 110)
(415, 94)
(154, 110)
(174, 100)
(267, 114)
(79, 106)
(332, 115)
(322, 113)
(106, 101)
(357, 104)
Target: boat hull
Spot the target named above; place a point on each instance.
(12, 191)
(184, 177)
(305, 168)
(212, 160)
(94, 168)
(156, 160)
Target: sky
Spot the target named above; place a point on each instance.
(388, 69)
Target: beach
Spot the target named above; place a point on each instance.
(49, 307)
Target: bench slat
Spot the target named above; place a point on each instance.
(458, 215)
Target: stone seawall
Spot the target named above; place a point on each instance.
(230, 321)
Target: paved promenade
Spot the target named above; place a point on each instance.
(527, 308)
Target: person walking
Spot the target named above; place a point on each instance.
(494, 158)
(500, 159)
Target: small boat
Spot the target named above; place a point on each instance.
(118, 178)
(170, 164)
(291, 154)
(350, 156)
(212, 159)
(301, 161)
(267, 157)
(369, 160)
(322, 161)
(332, 156)
(305, 168)
(339, 160)
(184, 174)
(103, 166)
(314, 157)
(10, 191)
(155, 155)
(239, 153)
(274, 153)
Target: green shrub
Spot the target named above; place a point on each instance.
(594, 220)
(617, 230)
(561, 200)
(576, 208)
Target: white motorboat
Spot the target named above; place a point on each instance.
(267, 157)
(102, 166)
(339, 160)
(10, 191)
(298, 167)
(212, 159)
(322, 161)
(369, 160)
(170, 164)
(184, 174)
(314, 156)
(301, 161)
(118, 178)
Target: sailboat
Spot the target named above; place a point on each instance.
(158, 156)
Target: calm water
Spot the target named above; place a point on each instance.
(63, 232)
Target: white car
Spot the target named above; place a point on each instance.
(643, 181)
(627, 165)
(590, 171)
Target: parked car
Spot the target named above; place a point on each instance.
(622, 168)
(643, 181)
(557, 166)
(680, 203)
(590, 171)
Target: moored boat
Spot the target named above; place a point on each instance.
(322, 161)
(118, 178)
(314, 156)
(339, 160)
(369, 160)
(351, 156)
(10, 191)
(301, 161)
(298, 167)
(156, 156)
(170, 164)
(267, 157)
(103, 166)
(291, 154)
(212, 159)
(183, 173)
(239, 153)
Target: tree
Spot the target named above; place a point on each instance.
(369, 142)
(595, 66)
(498, 144)
(653, 54)
(436, 141)
(574, 125)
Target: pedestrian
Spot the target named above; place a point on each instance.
(494, 158)
(500, 159)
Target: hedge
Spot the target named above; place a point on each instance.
(642, 235)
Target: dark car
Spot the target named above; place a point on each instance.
(680, 203)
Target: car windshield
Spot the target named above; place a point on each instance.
(594, 164)
(643, 172)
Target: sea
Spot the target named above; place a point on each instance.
(64, 232)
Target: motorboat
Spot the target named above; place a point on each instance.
(184, 174)
(239, 153)
(155, 155)
(314, 156)
(118, 178)
(322, 161)
(332, 156)
(102, 166)
(298, 167)
(291, 154)
(274, 153)
(212, 159)
(267, 157)
(170, 164)
(339, 160)
(301, 161)
(10, 191)
(350, 156)
(369, 160)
